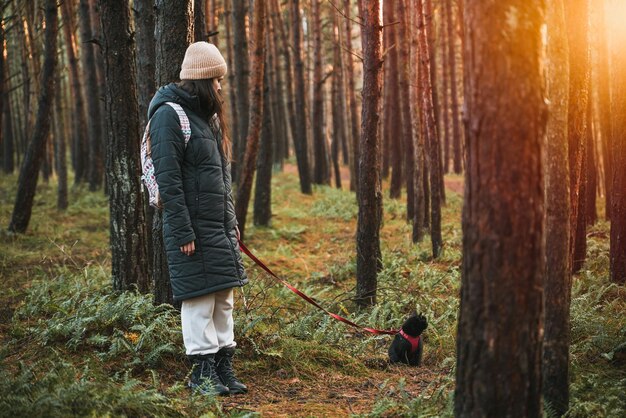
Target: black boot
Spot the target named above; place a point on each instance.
(204, 376)
(224, 366)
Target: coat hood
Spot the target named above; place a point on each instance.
(173, 93)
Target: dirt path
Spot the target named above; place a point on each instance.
(331, 395)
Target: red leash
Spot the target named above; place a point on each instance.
(308, 299)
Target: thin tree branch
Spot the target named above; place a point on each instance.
(344, 15)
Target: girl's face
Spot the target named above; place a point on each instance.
(217, 84)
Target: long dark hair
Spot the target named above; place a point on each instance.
(212, 103)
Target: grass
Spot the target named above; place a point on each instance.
(72, 346)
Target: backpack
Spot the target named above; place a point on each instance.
(147, 166)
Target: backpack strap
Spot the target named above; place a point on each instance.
(184, 120)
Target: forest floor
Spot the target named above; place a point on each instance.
(72, 346)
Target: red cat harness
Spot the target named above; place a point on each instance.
(413, 340)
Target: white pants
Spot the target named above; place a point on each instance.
(207, 322)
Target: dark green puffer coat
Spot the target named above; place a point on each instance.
(195, 188)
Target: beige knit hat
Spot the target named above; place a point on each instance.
(202, 61)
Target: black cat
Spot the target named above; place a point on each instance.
(408, 344)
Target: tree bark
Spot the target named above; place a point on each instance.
(321, 174)
(8, 138)
(557, 280)
(173, 28)
(300, 137)
(60, 158)
(445, 93)
(370, 192)
(354, 115)
(281, 44)
(604, 101)
(146, 86)
(279, 111)
(231, 86)
(419, 172)
(6, 141)
(242, 86)
(79, 120)
(129, 261)
(429, 16)
(96, 27)
(591, 174)
(256, 117)
(29, 172)
(404, 35)
(434, 160)
(338, 104)
(577, 15)
(144, 35)
(262, 214)
(454, 95)
(92, 94)
(395, 122)
(199, 21)
(3, 87)
(499, 333)
(618, 143)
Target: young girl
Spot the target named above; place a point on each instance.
(199, 226)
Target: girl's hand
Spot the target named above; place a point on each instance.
(188, 249)
(238, 233)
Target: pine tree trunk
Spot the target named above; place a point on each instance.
(129, 261)
(430, 22)
(256, 117)
(604, 101)
(354, 115)
(173, 28)
(2, 87)
(454, 96)
(557, 280)
(262, 214)
(338, 104)
(242, 83)
(60, 157)
(386, 112)
(25, 123)
(199, 21)
(80, 146)
(396, 122)
(591, 173)
(580, 237)
(300, 137)
(445, 92)
(499, 333)
(145, 67)
(321, 172)
(96, 27)
(618, 150)
(404, 35)
(370, 192)
(434, 160)
(88, 60)
(6, 141)
(419, 172)
(577, 15)
(144, 36)
(231, 87)
(281, 128)
(287, 103)
(8, 138)
(29, 173)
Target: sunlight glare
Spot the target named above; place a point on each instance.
(615, 18)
